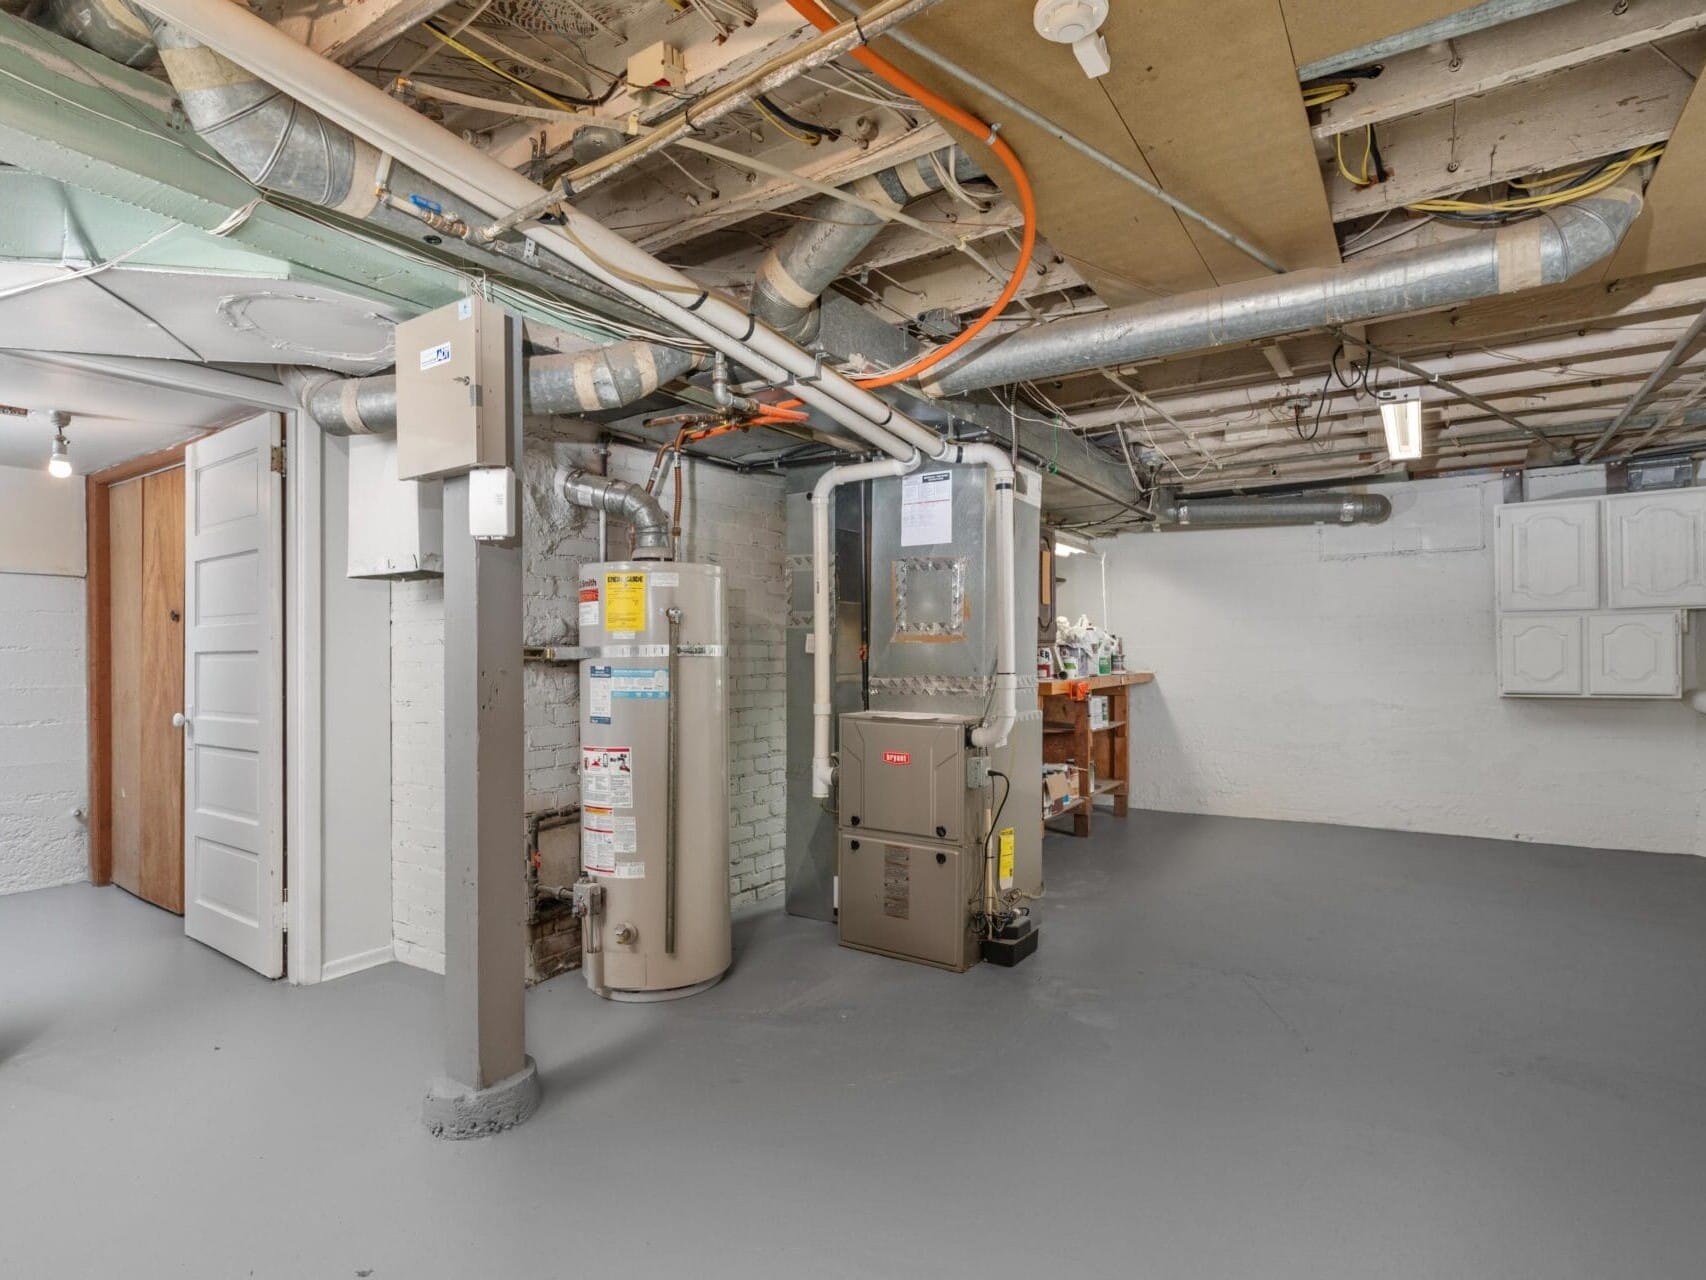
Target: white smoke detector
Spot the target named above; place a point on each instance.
(1077, 23)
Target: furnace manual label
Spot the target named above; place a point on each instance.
(598, 685)
(927, 509)
(640, 682)
(598, 851)
(624, 602)
(589, 604)
(607, 779)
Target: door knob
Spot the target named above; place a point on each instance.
(179, 720)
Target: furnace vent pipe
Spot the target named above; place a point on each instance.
(832, 235)
(1541, 251)
(610, 377)
(627, 502)
(1299, 508)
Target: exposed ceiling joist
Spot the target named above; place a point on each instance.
(1537, 126)
(346, 32)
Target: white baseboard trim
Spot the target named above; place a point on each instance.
(356, 963)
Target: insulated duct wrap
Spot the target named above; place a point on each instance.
(1301, 508)
(607, 378)
(1540, 251)
(832, 235)
(626, 502)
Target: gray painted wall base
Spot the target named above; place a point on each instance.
(454, 1110)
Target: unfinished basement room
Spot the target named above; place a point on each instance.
(865, 639)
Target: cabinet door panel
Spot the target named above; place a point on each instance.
(1656, 545)
(1549, 555)
(1541, 655)
(1635, 655)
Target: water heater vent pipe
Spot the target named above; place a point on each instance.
(626, 501)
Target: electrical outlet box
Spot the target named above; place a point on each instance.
(659, 66)
(456, 390)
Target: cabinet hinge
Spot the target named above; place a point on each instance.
(278, 458)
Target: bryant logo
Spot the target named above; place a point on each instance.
(897, 757)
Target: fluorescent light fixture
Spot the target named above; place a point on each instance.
(59, 461)
(1401, 416)
(1067, 544)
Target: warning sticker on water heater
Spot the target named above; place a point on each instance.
(598, 684)
(589, 604)
(624, 602)
(598, 851)
(607, 777)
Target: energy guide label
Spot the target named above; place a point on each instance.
(607, 778)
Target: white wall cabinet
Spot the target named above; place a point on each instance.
(1540, 655)
(1634, 655)
(1656, 549)
(1548, 555)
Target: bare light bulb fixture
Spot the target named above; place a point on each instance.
(1401, 417)
(59, 461)
(1077, 23)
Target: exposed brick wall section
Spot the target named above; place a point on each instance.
(43, 732)
(733, 520)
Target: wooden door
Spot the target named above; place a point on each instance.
(145, 532)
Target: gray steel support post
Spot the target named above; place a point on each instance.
(489, 1082)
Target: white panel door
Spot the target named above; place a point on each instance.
(1635, 655)
(234, 695)
(1541, 655)
(1548, 555)
(1656, 549)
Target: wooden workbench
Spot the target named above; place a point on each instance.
(1069, 739)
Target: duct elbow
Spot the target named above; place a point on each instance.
(629, 502)
(1580, 235)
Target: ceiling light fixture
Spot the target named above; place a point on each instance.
(59, 461)
(1401, 417)
(1076, 22)
(1067, 544)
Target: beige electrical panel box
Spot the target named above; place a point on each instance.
(455, 390)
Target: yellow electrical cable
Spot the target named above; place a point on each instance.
(1320, 94)
(1367, 154)
(480, 59)
(798, 135)
(1549, 200)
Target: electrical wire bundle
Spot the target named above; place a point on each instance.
(1574, 184)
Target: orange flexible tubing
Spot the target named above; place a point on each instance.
(814, 13)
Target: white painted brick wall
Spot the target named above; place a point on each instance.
(728, 519)
(1350, 675)
(43, 732)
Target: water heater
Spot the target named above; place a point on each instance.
(654, 778)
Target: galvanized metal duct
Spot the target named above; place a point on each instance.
(1297, 508)
(627, 502)
(806, 261)
(1541, 251)
(608, 378)
(110, 27)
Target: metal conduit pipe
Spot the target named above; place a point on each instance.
(110, 27)
(1298, 508)
(832, 235)
(627, 502)
(582, 382)
(1541, 251)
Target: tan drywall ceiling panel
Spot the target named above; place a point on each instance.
(1671, 232)
(1320, 28)
(1127, 245)
(1208, 91)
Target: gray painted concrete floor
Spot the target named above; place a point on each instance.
(1244, 1050)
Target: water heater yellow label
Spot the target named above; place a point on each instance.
(624, 602)
(1004, 864)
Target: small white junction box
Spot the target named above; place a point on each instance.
(492, 500)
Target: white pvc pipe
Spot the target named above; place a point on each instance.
(488, 185)
(823, 568)
(993, 732)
